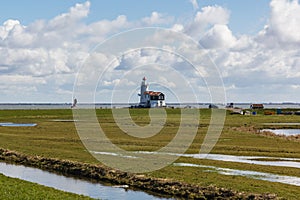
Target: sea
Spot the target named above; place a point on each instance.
(24, 106)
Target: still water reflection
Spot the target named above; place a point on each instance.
(69, 184)
(286, 132)
(291, 180)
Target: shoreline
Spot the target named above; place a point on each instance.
(199, 105)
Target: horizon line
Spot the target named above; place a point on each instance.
(126, 103)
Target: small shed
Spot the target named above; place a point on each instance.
(257, 106)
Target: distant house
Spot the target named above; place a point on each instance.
(150, 99)
(257, 106)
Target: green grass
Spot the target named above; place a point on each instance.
(15, 189)
(60, 140)
(239, 183)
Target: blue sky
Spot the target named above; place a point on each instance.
(254, 44)
(247, 16)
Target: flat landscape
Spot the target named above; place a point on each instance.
(55, 136)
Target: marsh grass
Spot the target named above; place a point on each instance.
(60, 140)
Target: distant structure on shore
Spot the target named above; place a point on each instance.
(74, 103)
(150, 99)
(257, 106)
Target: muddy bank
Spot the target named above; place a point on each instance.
(103, 173)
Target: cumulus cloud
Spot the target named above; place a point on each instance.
(267, 63)
(285, 20)
(106, 27)
(283, 27)
(35, 55)
(66, 20)
(219, 36)
(177, 27)
(53, 50)
(43, 57)
(206, 18)
(7, 27)
(157, 19)
(15, 34)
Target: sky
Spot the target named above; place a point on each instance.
(46, 47)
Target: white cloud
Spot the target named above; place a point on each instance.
(157, 19)
(111, 83)
(177, 27)
(219, 36)
(35, 55)
(213, 15)
(285, 20)
(283, 27)
(7, 27)
(66, 20)
(167, 83)
(20, 79)
(42, 58)
(15, 34)
(106, 27)
(207, 17)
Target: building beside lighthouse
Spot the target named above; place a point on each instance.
(150, 99)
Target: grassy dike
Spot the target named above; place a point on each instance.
(59, 141)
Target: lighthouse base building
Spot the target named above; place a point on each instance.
(150, 99)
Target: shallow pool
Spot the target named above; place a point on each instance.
(286, 132)
(10, 124)
(291, 180)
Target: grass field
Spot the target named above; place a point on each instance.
(15, 189)
(51, 138)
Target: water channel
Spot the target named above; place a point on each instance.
(255, 160)
(291, 180)
(73, 185)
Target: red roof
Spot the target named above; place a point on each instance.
(152, 93)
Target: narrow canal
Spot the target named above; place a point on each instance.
(73, 185)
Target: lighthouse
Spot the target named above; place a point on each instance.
(150, 99)
(144, 89)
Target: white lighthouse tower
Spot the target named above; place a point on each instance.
(144, 89)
